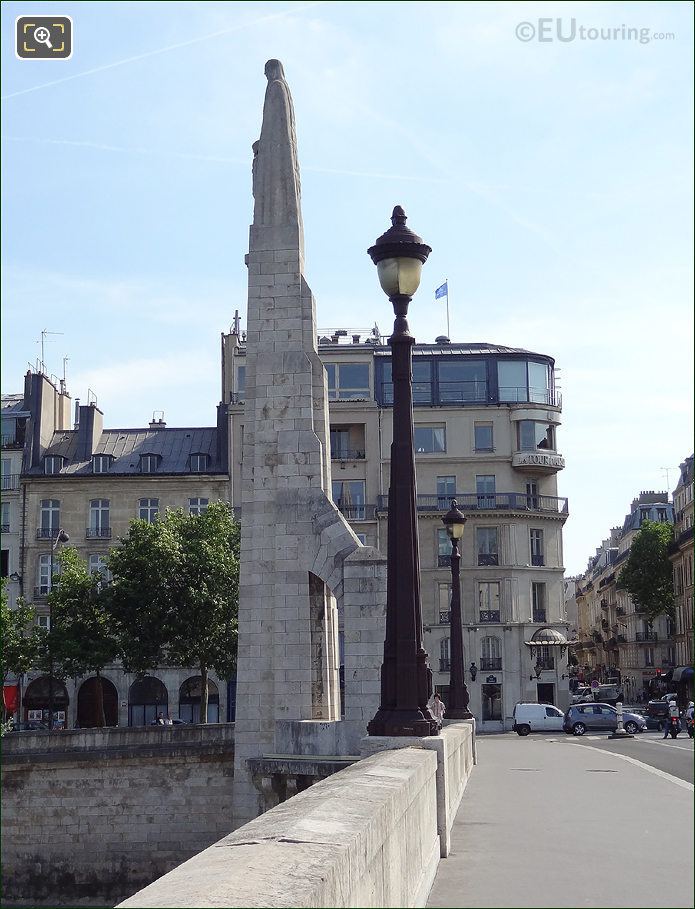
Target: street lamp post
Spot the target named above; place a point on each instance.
(406, 678)
(61, 537)
(457, 708)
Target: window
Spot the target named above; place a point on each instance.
(538, 602)
(240, 383)
(553, 712)
(199, 463)
(443, 548)
(362, 537)
(539, 383)
(99, 520)
(6, 473)
(532, 501)
(148, 509)
(44, 621)
(422, 382)
(489, 601)
(5, 563)
(490, 654)
(44, 574)
(486, 545)
(446, 491)
(511, 380)
(483, 436)
(648, 656)
(149, 463)
(197, 506)
(348, 496)
(537, 553)
(444, 659)
(462, 380)
(444, 601)
(533, 435)
(50, 518)
(348, 381)
(485, 490)
(98, 564)
(52, 464)
(101, 463)
(5, 517)
(429, 439)
(347, 442)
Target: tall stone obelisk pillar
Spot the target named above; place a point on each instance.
(288, 664)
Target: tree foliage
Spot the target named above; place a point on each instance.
(175, 593)
(22, 641)
(648, 573)
(82, 637)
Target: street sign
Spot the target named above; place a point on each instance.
(594, 683)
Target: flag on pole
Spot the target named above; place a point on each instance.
(442, 291)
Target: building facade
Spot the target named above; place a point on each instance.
(91, 482)
(616, 639)
(681, 555)
(14, 420)
(486, 423)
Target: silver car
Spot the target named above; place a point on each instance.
(581, 718)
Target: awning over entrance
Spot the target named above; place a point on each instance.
(682, 674)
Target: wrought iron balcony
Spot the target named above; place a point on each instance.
(539, 615)
(347, 454)
(42, 591)
(46, 533)
(96, 533)
(490, 663)
(488, 558)
(357, 512)
(444, 617)
(537, 559)
(444, 665)
(5, 528)
(489, 616)
(646, 637)
(9, 481)
(443, 561)
(470, 501)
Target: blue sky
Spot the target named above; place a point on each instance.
(551, 178)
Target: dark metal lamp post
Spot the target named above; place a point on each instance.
(457, 708)
(61, 537)
(406, 678)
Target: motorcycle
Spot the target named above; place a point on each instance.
(674, 727)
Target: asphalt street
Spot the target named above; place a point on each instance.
(549, 821)
(674, 756)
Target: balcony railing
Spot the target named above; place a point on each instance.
(489, 616)
(537, 559)
(621, 639)
(646, 637)
(357, 512)
(4, 528)
(539, 615)
(42, 591)
(96, 533)
(444, 665)
(470, 501)
(444, 617)
(347, 454)
(548, 663)
(46, 533)
(11, 440)
(443, 561)
(488, 558)
(490, 663)
(9, 481)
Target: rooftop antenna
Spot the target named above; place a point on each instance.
(667, 471)
(44, 338)
(63, 381)
(237, 322)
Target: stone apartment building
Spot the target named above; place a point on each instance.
(681, 554)
(486, 424)
(92, 482)
(616, 640)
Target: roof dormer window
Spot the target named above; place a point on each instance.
(199, 463)
(101, 463)
(149, 463)
(52, 464)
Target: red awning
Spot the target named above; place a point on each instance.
(10, 697)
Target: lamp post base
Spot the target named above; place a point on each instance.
(458, 714)
(402, 723)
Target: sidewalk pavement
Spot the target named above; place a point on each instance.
(545, 823)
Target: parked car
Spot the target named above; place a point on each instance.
(532, 717)
(582, 694)
(657, 709)
(608, 694)
(581, 718)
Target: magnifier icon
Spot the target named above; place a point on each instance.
(43, 36)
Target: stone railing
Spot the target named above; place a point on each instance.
(370, 835)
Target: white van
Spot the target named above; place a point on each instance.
(537, 718)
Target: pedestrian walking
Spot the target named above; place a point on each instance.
(689, 720)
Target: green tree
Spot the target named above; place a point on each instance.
(648, 573)
(21, 640)
(82, 638)
(175, 593)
